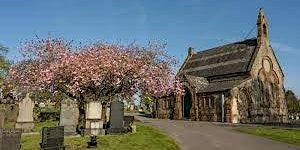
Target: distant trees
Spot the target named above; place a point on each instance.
(293, 104)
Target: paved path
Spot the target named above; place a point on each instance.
(192, 135)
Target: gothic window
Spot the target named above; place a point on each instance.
(274, 78)
(246, 102)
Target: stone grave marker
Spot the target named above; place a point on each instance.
(69, 114)
(52, 138)
(2, 117)
(116, 117)
(11, 112)
(10, 139)
(107, 113)
(94, 124)
(25, 116)
(128, 120)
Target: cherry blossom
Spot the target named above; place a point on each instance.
(99, 69)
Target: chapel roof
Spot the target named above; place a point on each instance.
(233, 58)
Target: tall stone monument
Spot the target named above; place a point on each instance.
(25, 116)
(69, 114)
(94, 124)
(116, 117)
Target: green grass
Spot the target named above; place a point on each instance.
(9, 125)
(146, 138)
(288, 135)
(38, 126)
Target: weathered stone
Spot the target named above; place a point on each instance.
(10, 139)
(25, 116)
(52, 138)
(2, 117)
(107, 114)
(116, 117)
(94, 124)
(245, 84)
(69, 114)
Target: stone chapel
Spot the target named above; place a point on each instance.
(241, 82)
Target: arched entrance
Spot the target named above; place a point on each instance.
(187, 104)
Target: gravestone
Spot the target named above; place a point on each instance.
(128, 120)
(11, 112)
(10, 139)
(52, 138)
(69, 114)
(25, 116)
(116, 117)
(2, 117)
(94, 124)
(107, 114)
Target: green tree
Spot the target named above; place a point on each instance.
(147, 100)
(293, 103)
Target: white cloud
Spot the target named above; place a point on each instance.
(285, 48)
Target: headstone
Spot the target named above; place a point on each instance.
(11, 112)
(10, 139)
(52, 138)
(2, 117)
(116, 117)
(69, 114)
(107, 114)
(25, 116)
(128, 120)
(94, 124)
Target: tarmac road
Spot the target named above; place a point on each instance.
(196, 135)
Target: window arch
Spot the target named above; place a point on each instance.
(267, 64)
(274, 78)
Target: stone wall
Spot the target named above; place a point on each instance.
(165, 107)
(258, 102)
(208, 107)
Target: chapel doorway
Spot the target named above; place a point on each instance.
(187, 104)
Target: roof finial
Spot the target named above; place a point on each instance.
(190, 51)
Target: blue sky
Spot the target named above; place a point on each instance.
(200, 24)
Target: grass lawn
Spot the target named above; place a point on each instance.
(38, 126)
(146, 138)
(288, 135)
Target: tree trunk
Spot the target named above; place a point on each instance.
(82, 115)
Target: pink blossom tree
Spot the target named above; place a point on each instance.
(99, 70)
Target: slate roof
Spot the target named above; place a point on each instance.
(220, 86)
(228, 59)
(231, 59)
